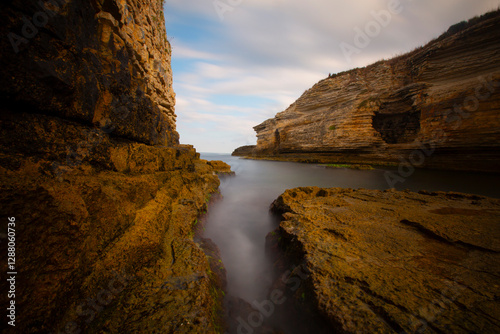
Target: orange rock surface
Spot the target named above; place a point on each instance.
(396, 262)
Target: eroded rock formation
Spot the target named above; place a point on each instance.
(443, 98)
(105, 199)
(395, 262)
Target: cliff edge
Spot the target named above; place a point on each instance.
(437, 106)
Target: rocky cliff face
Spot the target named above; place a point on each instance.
(395, 262)
(442, 99)
(102, 62)
(104, 199)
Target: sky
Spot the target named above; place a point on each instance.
(237, 63)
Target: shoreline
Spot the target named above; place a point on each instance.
(356, 163)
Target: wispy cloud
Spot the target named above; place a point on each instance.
(185, 52)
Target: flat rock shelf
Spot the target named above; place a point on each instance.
(396, 261)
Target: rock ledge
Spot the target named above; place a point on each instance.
(397, 262)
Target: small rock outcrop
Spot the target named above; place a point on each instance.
(105, 200)
(244, 151)
(437, 106)
(396, 262)
(220, 167)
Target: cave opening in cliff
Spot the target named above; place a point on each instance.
(397, 128)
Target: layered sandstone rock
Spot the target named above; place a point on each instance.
(105, 200)
(395, 262)
(443, 99)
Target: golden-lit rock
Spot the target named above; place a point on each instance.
(396, 262)
(220, 167)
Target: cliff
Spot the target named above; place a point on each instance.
(394, 262)
(103, 199)
(437, 106)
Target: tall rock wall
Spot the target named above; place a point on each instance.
(102, 62)
(444, 97)
(104, 201)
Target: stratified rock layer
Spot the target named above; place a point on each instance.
(443, 98)
(105, 199)
(101, 62)
(397, 262)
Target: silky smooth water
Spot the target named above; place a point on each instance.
(239, 222)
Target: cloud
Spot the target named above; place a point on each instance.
(232, 74)
(184, 52)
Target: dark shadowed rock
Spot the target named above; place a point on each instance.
(103, 63)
